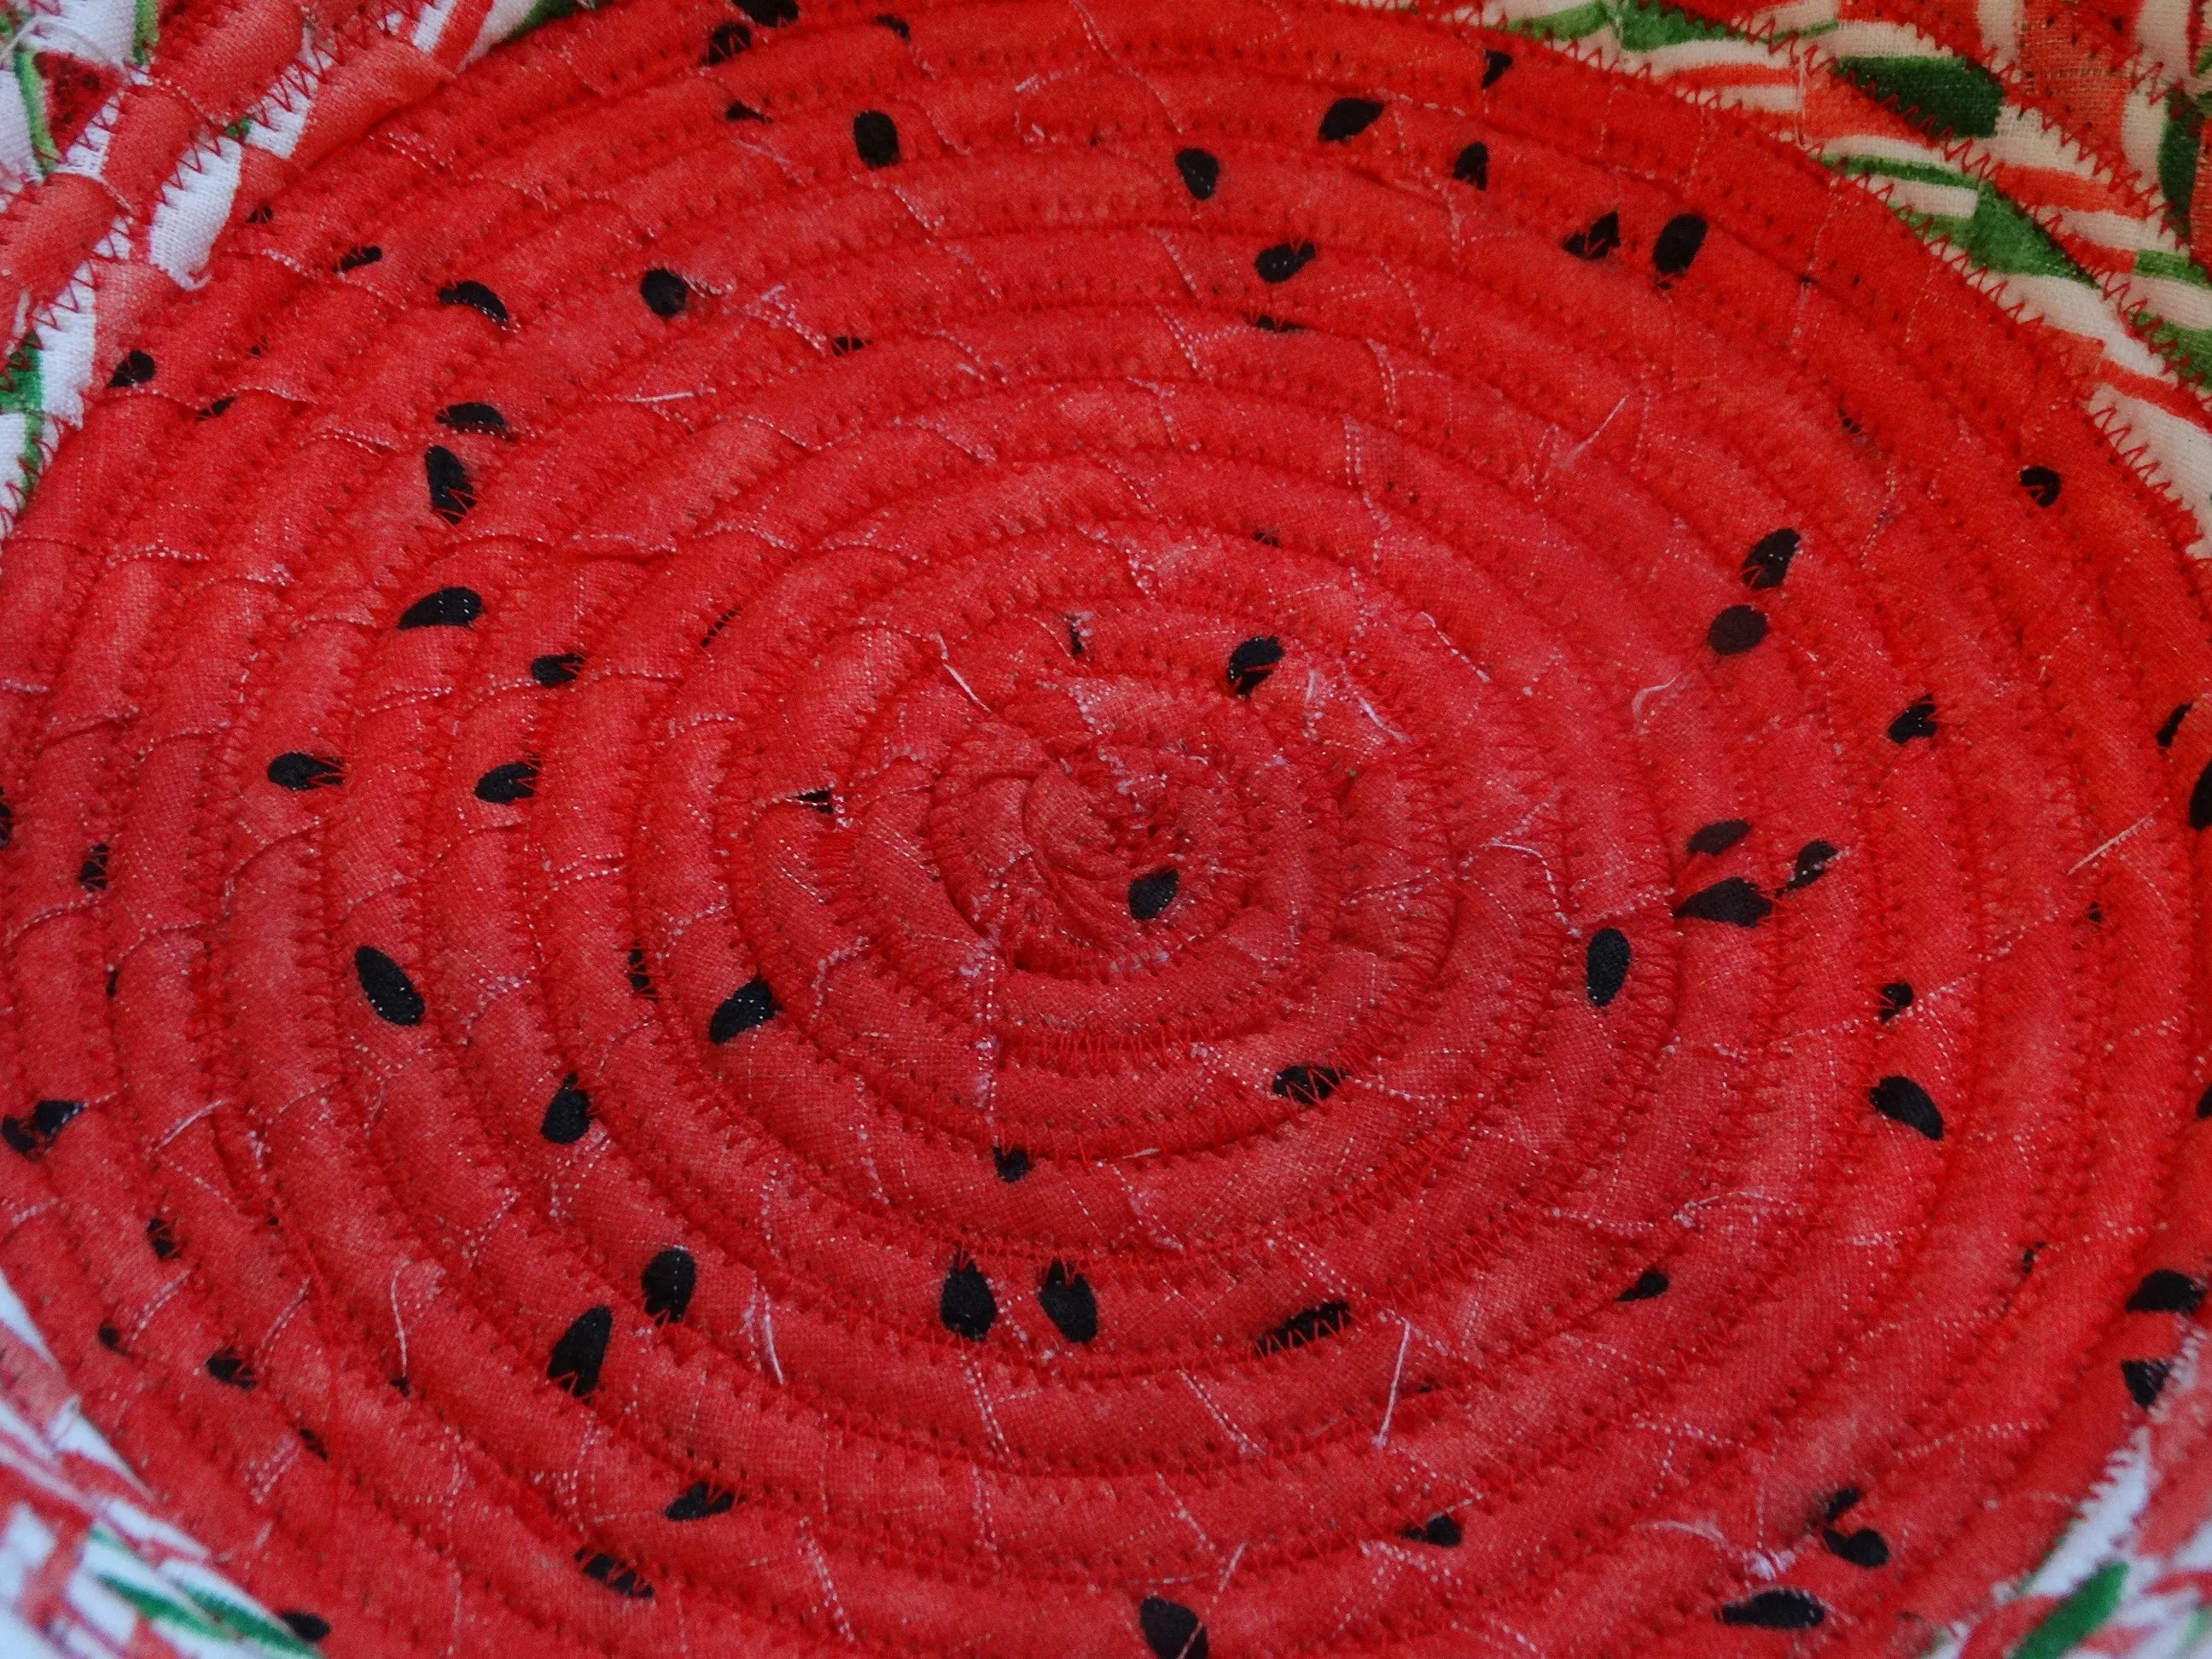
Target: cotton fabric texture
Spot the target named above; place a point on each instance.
(1027, 828)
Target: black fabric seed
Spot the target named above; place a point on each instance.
(1307, 1325)
(1903, 1101)
(567, 1114)
(1719, 836)
(452, 495)
(1152, 894)
(313, 1443)
(2146, 1379)
(668, 1282)
(1065, 1298)
(555, 667)
(1438, 1529)
(1600, 239)
(1011, 1162)
(31, 1135)
(1473, 166)
(449, 607)
(308, 1626)
(355, 257)
(2166, 733)
(1733, 901)
(966, 1304)
(726, 41)
(2164, 1291)
(875, 137)
(387, 988)
(664, 292)
(1840, 1503)
(819, 801)
(503, 786)
(1917, 721)
(7, 823)
(2204, 1105)
(1678, 243)
(1494, 64)
(1776, 1609)
(1250, 664)
(582, 1351)
(214, 409)
(227, 1365)
(1283, 261)
(135, 369)
(92, 874)
(1770, 558)
(1306, 1086)
(1171, 1630)
(1813, 861)
(1896, 998)
(1276, 325)
(896, 24)
(1605, 965)
(2041, 484)
(700, 1502)
(161, 1239)
(770, 14)
(640, 980)
(1736, 630)
(606, 1570)
(844, 345)
(1649, 1283)
(476, 297)
(1347, 118)
(1200, 170)
(1864, 1548)
(480, 418)
(2200, 799)
(296, 770)
(110, 1337)
(740, 111)
(751, 1004)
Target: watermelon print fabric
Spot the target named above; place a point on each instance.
(1111, 829)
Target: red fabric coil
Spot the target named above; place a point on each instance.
(1007, 831)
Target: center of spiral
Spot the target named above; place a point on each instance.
(1084, 827)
